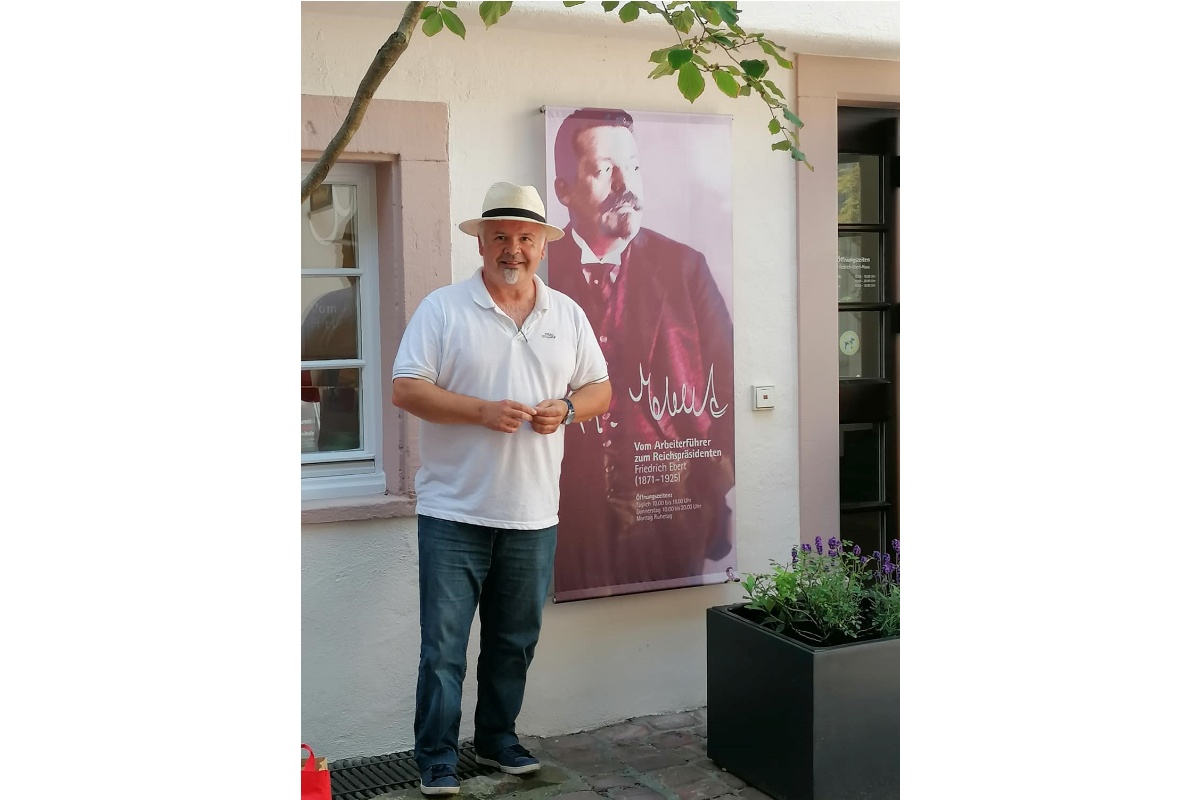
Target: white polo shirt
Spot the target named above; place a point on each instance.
(461, 341)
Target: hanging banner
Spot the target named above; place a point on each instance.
(647, 488)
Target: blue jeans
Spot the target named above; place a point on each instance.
(506, 574)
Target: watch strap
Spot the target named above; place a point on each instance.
(570, 417)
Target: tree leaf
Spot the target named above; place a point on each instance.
(784, 145)
(609, 5)
(659, 56)
(489, 12)
(453, 23)
(691, 82)
(678, 56)
(745, 92)
(772, 49)
(792, 118)
(773, 126)
(683, 21)
(773, 88)
(727, 13)
(662, 69)
(755, 68)
(428, 12)
(722, 40)
(707, 11)
(432, 25)
(450, 4)
(569, 3)
(629, 12)
(726, 83)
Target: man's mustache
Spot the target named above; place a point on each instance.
(627, 197)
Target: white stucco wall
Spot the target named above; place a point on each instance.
(599, 661)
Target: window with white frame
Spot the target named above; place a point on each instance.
(340, 406)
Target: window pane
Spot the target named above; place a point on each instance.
(858, 267)
(861, 473)
(858, 189)
(858, 344)
(865, 529)
(330, 410)
(329, 228)
(328, 317)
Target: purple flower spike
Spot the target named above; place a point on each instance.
(806, 547)
(887, 568)
(865, 560)
(819, 550)
(896, 546)
(875, 555)
(833, 543)
(795, 554)
(858, 552)
(887, 558)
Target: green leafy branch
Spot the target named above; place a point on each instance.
(718, 30)
(715, 26)
(439, 15)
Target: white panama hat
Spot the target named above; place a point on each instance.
(509, 201)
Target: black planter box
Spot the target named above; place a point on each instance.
(800, 722)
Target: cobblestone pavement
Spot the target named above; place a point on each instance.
(646, 758)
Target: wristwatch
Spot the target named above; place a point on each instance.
(570, 417)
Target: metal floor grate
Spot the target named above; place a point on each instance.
(365, 778)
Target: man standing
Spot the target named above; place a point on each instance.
(668, 339)
(495, 367)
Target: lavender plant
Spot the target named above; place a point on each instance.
(885, 593)
(829, 593)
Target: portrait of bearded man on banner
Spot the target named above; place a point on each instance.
(646, 487)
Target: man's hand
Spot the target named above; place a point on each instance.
(506, 416)
(549, 416)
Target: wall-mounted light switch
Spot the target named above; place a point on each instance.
(764, 397)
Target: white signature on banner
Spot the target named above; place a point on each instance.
(669, 403)
(672, 403)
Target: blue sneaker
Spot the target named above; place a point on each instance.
(439, 779)
(514, 759)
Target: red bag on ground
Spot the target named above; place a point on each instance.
(314, 777)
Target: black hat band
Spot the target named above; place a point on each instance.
(515, 212)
